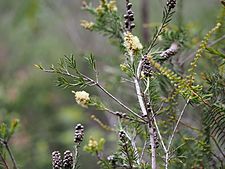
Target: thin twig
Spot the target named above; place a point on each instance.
(158, 131)
(118, 101)
(176, 149)
(190, 56)
(159, 134)
(217, 145)
(4, 162)
(121, 115)
(153, 145)
(143, 150)
(140, 97)
(189, 126)
(11, 156)
(5, 143)
(173, 134)
(75, 156)
(216, 41)
(144, 111)
(178, 122)
(126, 80)
(99, 86)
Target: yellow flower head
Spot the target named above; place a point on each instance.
(132, 43)
(82, 98)
(93, 144)
(100, 10)
(112, 5)
(87, 25)
(103, 2)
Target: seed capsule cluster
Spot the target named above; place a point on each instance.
(171, 4)
(129, 17)
(68, 160)
(112, 160)
(79, 133)
(146, 69)
(155, 136)
(121, 115)
(56, 160)
(122, 136)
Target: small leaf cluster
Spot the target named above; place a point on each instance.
(107, 20)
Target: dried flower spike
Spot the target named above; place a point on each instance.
(171, 51)
(129, 17)
(79, 133)
(68, 160)
(171, 4)
(56, 160)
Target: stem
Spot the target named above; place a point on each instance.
(158, 131)
(178, 122)
(216, 41)
(217, 145)
(4, 162)
(140, 97)
(120, 115)
(192, 55)
(11, 156)
(118, 101)
(144, 111)
(173, 134)
(160, 30)
(110, 95)
(99, 86)
(138, 88)
(153, 146)
(75, 157)
(167, 160)
(159, 134)
(143, 151)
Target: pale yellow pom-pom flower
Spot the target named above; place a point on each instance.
(82, 98)
(87, 25)
(112, 5)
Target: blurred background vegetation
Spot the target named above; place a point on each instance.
(42, 31)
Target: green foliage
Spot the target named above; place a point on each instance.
(94, 146)
(174, 35)
(215, 120)
(107, 21)
(215, 52)
(167, 17)
(7, 130)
